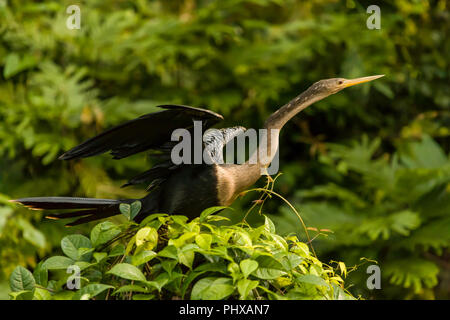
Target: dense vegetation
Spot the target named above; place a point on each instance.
(368, 169)
(166, 257)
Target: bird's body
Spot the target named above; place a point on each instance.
(181, 188)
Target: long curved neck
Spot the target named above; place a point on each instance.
(279, 118)
(262, 158)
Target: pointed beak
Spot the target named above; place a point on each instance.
(352, 82)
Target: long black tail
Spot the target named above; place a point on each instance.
(92, 209)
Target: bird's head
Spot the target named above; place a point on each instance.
(327, 87)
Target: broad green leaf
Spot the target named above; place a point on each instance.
(21, 280)
(212, 289)
(208, 267)
(160, 281)
(169, 265)
(186, 237)
(269, 268)
(135, 208)
(169, 252)
(147, 238)
(186, 255)
(291, 261)
(41, 274)
(248, 266)
(312, 279)
(103, 232)
(143, 257)
(245, 286)
(21, 295)
(117, 250)
(127, 271)
(234, 270)
(99, 256)
(125, 209)
(207, 212)
(71, 244)
(41, 294)
(203, 240)
(57, 262)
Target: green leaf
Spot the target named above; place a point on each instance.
(143, 296)
(31, 234)
(127, 271)
(160, 281)
(208, 267)
(41, 294)
(118, 250)
(125, 209)
(147, 237)
(248, 266)
(212, 289)
(203, 240)
(143, 257)
(90, 291)
(312, 279)
(290, 261)
(207, 212)
(135, 209)
(21, 295)
(40, 274)
(99, 256)
(186, 255)
(57, 262)
(245, 286)
(269, 226)
(21, 280)
(103, 232)
(130, 211)
(130, 287)
(71, 244)
(269, 268)
(169, 252)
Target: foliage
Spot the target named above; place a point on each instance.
(393, 208)
(167, 257)
(242, 58)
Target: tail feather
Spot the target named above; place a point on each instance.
(51, 203)
(92, 209)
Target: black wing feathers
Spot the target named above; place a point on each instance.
(149, 131)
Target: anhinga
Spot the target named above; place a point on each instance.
(185, 189)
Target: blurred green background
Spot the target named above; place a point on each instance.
(370, 163)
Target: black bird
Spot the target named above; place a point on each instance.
(185, 189)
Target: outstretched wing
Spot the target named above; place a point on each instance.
(150, 131)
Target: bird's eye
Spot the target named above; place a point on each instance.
(340, 82)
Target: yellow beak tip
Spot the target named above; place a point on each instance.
(352, 82)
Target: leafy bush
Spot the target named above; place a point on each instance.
(167, 257)
(392, 208)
